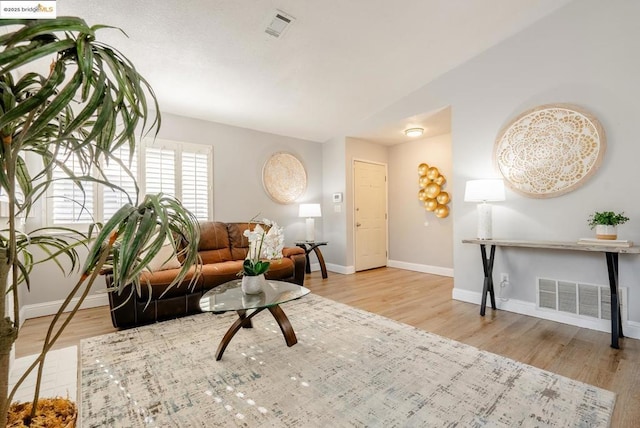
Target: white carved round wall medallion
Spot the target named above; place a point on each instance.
(284, 178)
(549, 150)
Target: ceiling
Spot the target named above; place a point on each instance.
(337, 64)
(433, 123)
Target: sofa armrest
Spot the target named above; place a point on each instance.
(299, 258)
(292, 251)
(123, 306)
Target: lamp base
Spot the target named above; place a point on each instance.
(484, 221)
(311, 229)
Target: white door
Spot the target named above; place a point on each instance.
(370, 216)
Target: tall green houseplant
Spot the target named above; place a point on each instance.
(88, 104)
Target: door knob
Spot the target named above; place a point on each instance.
(358, 225)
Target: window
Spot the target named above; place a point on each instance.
(181, 170)
(160, 170)
(114, 199)
(68, 198)
(195, 179)
(178, 169)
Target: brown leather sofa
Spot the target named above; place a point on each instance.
(222, 248)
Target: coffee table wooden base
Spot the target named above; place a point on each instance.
(244, 321)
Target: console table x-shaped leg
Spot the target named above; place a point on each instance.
(612, 269)
(244, 321)
(487, 287)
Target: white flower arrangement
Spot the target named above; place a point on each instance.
(263, 246)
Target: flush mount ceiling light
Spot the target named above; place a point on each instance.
(413, 132)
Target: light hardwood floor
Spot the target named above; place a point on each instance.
(424, 301)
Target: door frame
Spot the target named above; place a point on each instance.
(353, 206)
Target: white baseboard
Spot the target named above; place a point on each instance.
(345, 270)
(434, 270)
(49, 308)
(630, 328)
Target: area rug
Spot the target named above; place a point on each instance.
(349, 368)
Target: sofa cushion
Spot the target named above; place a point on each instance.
(239, 242)
(161, 279)
(214, 245)
(218, 273)
(166, 258)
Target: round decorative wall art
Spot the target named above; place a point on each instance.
(549, 150)
(284, 178)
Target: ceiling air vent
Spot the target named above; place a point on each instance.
(279, 24)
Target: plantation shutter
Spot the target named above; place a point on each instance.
(160, 171)
(181, 170)
(114, 199)
(195, 183)
(70, 203)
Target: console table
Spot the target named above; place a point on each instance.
(314, 246)
(611, 253)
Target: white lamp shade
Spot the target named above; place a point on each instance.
(490, 190)
(309, 210)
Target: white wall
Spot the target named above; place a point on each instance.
(419, 240)
(412, 245)
(584, 54)
(239, 155)
(50, 286)
(581, 55)
(334, 216)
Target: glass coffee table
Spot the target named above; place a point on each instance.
(229, 297)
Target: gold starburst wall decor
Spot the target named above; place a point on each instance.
(431, 191)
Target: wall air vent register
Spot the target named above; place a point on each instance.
(584, 300)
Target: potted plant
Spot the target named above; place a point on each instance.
(264, 246)
(88, 104)
(606, 223)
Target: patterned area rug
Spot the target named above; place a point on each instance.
(349, 368)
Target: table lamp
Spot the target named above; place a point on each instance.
(310, 211)
(483, 191)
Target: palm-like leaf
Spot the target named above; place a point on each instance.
(52, 243)
(109, 96)
(136, 235)
(88, 104)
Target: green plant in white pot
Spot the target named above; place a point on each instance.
(606, 223)
(90, 102)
